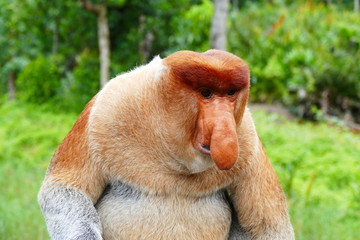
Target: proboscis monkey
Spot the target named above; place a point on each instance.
(167, 151)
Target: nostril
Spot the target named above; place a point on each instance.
(205, 148)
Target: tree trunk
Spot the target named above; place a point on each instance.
(324, 102)
(356, 5)
(218, 25)
(55, 40)
(104, 45)
(103, 37)
(11, 86)
(146, 42)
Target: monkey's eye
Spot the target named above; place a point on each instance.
(232, 92)
(206, 93)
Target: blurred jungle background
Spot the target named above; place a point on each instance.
(304, 58)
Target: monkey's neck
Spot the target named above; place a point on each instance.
(143, 164)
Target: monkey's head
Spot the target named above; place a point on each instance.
(207, 93)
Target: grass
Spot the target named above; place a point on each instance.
(28, 138)
(318, 167)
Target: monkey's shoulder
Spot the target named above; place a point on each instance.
(129, 213)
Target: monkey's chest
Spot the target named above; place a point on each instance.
(129, 214)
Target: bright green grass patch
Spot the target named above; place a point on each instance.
(319, 168)
(29, 136)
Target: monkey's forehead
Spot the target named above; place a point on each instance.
(215, 69)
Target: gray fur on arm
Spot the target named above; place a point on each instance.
(69, 214)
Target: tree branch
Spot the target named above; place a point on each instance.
(91, 7)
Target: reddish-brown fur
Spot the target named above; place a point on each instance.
(216, 70)
(72, 164)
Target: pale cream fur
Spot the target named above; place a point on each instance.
(165, 217)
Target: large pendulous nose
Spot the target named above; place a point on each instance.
(224, 147)
(216, 134)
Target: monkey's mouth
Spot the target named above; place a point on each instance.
(205, 149)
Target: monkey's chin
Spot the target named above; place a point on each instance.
(200, 163)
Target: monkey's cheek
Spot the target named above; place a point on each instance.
(200, 163)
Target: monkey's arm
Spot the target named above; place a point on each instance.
(259, 201)
(71, 187)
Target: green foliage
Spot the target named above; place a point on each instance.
(192, 28)
(29, 136)
(296, 50)
(42, 28)
(319, 169)
(317, 166)
(304, 47)
(130, 24)
(80, 86)
(39, 81)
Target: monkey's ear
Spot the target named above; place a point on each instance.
(260, 202)
(72, 165)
